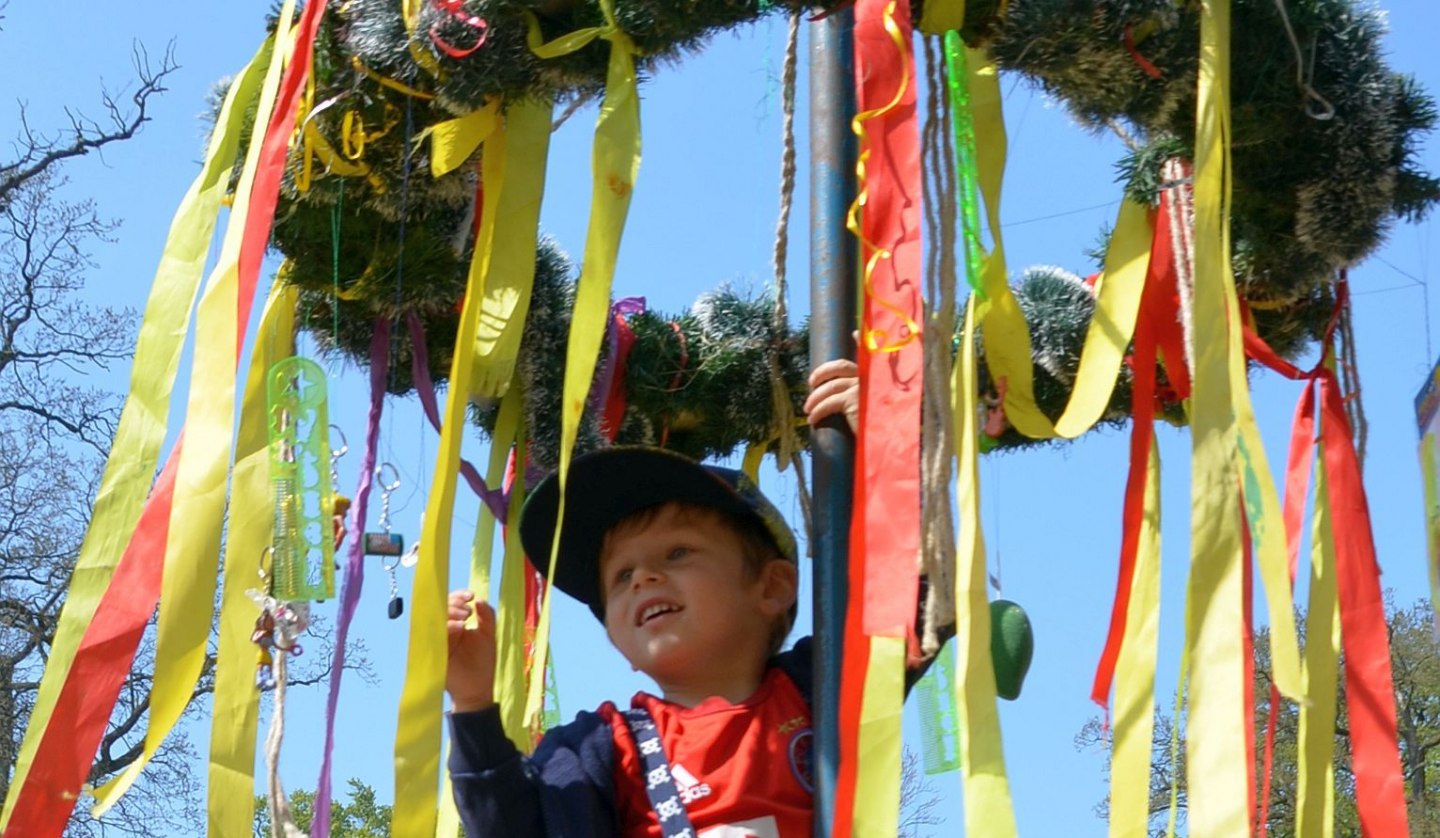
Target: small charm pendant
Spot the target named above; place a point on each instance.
(384, 544)
(397, 607)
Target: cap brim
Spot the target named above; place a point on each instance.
(602, 488)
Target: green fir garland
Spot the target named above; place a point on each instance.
(1311, 195)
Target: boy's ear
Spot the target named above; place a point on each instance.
(780, 582)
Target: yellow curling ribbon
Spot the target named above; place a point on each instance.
(231, 808)
(386, 81)
(317, 147)
(418, 734)
(1315, 786)
(754, 455)
(1135, 675)
(454, 140)
(187, 589)
(876, 339)
(941, 16)
(510, 271)
(410, 10)
(616, 161)
(877, 810)
(134, 453)
(989, 812)
(1216, 756)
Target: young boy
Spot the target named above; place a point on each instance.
(693, 573)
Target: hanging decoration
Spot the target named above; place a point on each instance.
(416, 151)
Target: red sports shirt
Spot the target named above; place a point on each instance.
(743, 770)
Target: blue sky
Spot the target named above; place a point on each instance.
(703, 214)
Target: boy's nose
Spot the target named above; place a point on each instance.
(645, 575)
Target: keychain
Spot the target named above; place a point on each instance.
(340, 506)
(387, 544)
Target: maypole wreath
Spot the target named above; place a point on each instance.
(397, 161)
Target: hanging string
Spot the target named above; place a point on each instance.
(788, 444)
(1350, 379)
(937, 554)
(336, 213)
(1305, 71)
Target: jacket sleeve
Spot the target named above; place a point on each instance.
(565, 789)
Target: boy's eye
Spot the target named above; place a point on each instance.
(678, 553)
(623, 576)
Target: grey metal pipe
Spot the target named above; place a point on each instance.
(833, 269)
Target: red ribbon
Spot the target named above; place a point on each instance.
(455, 9)
(885, 528)
(108, 646)
(1157, 330)
(1369, 684)
(82, 711)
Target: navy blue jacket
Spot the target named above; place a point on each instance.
(567, 788)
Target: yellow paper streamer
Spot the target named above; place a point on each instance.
(1216, 759)
(510, 271)
(418, 732)
(1432, 520)
(616, 161)
(453, 141)
(481, 553)
(187, 589)
(231, 809)
(1135, 675)
(511, 684)
(134, 454)
(1315, 792)
(877, 809)
(989, 812)
(1006, 335)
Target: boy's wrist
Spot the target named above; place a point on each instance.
(470, 705)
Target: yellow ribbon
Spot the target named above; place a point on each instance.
(386, 81)
(510, 269)
(511, 684)
(454, 140)
(410, 10)
(252, 522)
(317, 147)
(989, 812)
(1432, 519)
(1135, 675)
(941, 16)
(187, 589)
(616, 161)
(1315, 786)
(134, 454)
(877, 808)
(1216, 758)
(418, 734)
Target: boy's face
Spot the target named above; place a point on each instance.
(679, 603)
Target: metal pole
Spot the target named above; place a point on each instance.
(833, 265)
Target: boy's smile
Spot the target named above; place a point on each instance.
(682, 608)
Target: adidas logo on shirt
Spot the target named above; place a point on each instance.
(691, 789)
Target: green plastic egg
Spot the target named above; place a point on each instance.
(1012, 645)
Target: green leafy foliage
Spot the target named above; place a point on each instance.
(362, 816)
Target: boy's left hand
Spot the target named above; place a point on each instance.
(834, 391)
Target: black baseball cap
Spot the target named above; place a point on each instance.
(606, 486)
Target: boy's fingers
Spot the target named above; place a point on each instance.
(837, 404)
(830, 370)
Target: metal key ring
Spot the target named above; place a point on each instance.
(380, 477)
